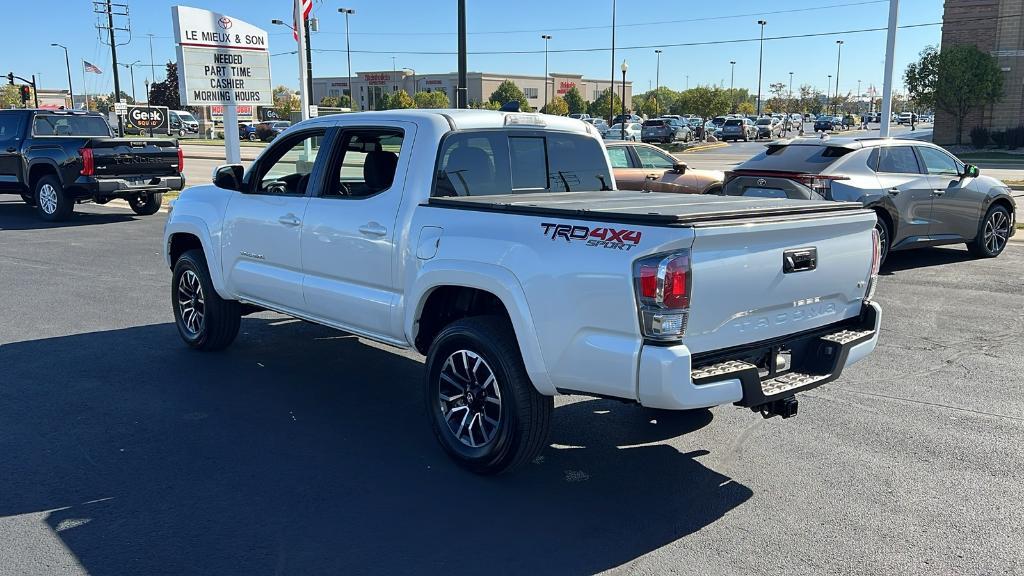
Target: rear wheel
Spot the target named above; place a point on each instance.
(52, 203)
(993, 233)
(205, 320)
(481, 404)
(146, 204)
(884, 238)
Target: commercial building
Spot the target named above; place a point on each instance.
(369, 87)
(994, 26)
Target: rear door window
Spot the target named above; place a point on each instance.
(619, 157)
(897, 160)
(9, 124)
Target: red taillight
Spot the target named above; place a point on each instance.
(88, 165)
(663, 294)
(677, 292)
(181, 161)
(649, 281)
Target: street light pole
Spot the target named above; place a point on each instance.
(657, 84)
(67, 62)
(732, 75)
(828, 94)
(348, 53)
(611, 87)
(131, 72)
(839, 58)
(624, 67)
(546, 37)
(760, 64)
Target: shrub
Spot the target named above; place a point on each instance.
(999, 138)
(979, 137)
(1015, 137)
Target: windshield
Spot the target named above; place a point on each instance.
(186, 117)
(69, 125)
(490, 162)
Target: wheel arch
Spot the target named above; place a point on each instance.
(184, 234)
(446, 291)
(887, 211)
(39, 169)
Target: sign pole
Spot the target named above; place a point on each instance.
(232, 142)
(890, 51)
(300, 29)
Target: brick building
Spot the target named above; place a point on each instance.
(996, 27)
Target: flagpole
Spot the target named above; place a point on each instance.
(85, 88)
(300, 29)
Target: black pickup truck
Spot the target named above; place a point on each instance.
(57, 158)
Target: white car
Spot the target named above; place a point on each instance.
(496, 245)
(631, 132)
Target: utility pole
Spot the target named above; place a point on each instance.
(545, 37)
(839, 59)
(152, 67)
(461, 100)
(309, 63)
(657, 82)
(107, 7)
(348, 53)
(890, 51)
(760, 65)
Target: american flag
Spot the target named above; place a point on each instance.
(303, 7)
(90, 67)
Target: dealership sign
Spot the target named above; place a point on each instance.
(221, 60)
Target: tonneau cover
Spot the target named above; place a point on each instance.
(642, 207)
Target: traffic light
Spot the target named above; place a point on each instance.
(26, 93)
(10, 78)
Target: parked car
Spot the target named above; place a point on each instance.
(907, 118)
(521, 273)
(248, 132)
(631, 132)
(267, 131)
(768, 128)
(182, 122)
(599, 123)
(57, 158)
(738, 129)
(665, 130)
(922, 195)
(827, 124)
(628, 117)
(579, 116)
(638, 166)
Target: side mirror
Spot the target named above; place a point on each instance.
(680, 167)
(228, 176)
(971, 171)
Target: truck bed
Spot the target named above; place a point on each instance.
(651, 208)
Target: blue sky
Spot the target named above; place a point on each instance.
(383, 28)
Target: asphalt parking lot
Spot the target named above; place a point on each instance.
(302, 450)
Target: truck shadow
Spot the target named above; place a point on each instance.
(924, 257)
(301, 450)
(16, 215)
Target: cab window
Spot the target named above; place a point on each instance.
(365, 163)
(937, 162)
(287, 167)
(619, 157)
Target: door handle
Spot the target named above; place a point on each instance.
(894, 191)
(373, 229)
(289, 220)
(938, 192)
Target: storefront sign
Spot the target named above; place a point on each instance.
(377, 78)
(221, 60)
(564, 87)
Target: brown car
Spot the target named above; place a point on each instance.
(638, 166)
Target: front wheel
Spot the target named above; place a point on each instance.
(993, 234)
(146, 204)
(884, 239)
(205, 320)
(482, 407)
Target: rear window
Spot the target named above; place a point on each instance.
(69, 125)
(733, 122)
(490, 162)
(806, 159)
(763, 122)
(654, 123)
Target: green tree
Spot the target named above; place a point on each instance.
(704, 101)
(920, 78)
(342, 101)
(436, 99)
(10, 97)
(557, 106)
(165, 93)
(575, 102)
(507, 92)
(778, 101)
(607, 99)
(285, 101)
(401, 100)
(967, 78)
(746, 108)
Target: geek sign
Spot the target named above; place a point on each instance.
(221, 60)
(141, 119)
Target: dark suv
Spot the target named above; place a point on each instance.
(665, 130)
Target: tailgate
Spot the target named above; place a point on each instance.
(741, 293)
(134, 158)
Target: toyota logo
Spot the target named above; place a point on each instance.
(224, 22)
(761, 181)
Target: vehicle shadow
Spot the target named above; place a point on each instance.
(16, 215)
(302, 450)
(924, 257)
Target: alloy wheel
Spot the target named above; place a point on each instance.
(191, 304)
(883, 241)
(997, 230)
(48, 198)
(470, 398)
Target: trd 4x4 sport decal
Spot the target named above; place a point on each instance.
(600, 237)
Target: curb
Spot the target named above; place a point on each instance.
(703, 147)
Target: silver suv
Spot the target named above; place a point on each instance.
(923, 195)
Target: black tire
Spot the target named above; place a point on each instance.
(253, 138)
(993, 233)
(523, 415)
(218, 319)
(146, 204)
(55, 205)
(884, 238)
(28, 199)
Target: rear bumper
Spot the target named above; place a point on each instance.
(87, 186)
(671, 378)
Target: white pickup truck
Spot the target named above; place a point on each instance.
(496, 244)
